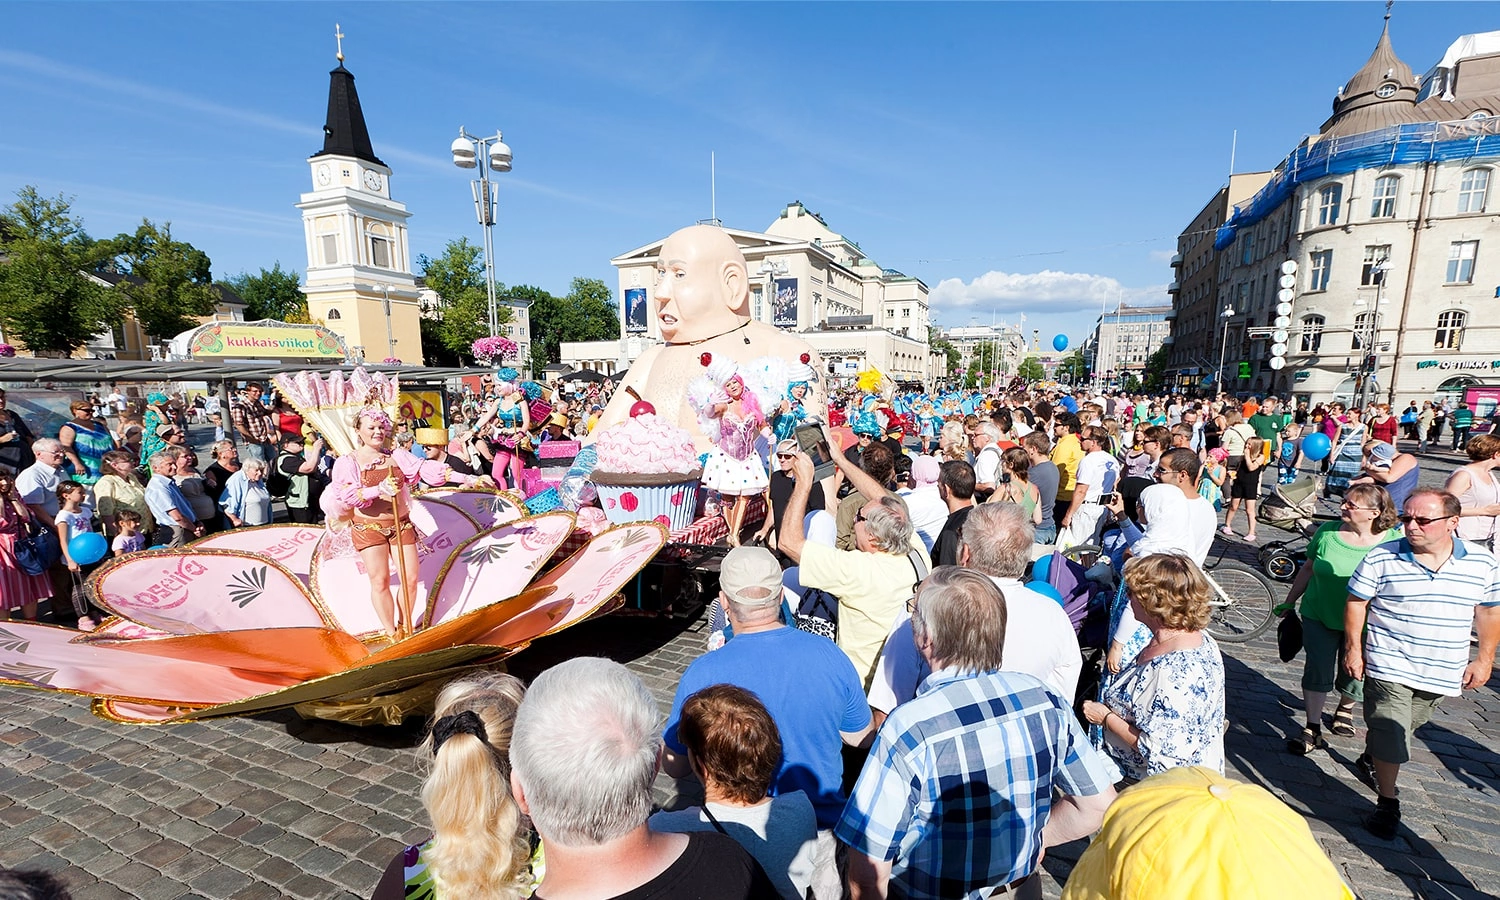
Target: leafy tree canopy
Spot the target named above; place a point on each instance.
(174, 286)
(457, 276)
(1031, 370)
(46, 299)
(587, 313)
(272, 293)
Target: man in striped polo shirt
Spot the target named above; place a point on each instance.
(1411, 605)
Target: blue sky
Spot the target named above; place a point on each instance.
(1019, 158)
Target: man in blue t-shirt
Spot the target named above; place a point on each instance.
(805, 681)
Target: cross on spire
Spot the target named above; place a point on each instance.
(338, 34)
(1388, 4)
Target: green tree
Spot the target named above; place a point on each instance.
(46, 300)
(587, 313)
(1073, 368)
(981, 365)
(173, 284)
(273, 293)
(463, 312)
(1031, 370)
(1156, 371)
(1132, 385)
(940, 344)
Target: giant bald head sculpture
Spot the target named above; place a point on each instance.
(702, 285)
(702, 305)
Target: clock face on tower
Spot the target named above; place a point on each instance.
(372, 179)
(325, 174)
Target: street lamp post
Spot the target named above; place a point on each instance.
(1227, 314)
(771, 269)
(1369, 361)
(488, 155)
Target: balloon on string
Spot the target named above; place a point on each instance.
(87, 548)
(1316, 446)
(1059, 342)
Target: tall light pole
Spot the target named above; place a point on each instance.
(1370, 335)
(1227, 314)
(488, 155)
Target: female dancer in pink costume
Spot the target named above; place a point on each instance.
(371, 493)
(733, 469)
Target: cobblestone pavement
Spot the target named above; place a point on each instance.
(272, 806)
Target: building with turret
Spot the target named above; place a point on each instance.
(1367, 262)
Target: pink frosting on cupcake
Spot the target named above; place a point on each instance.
(646, 445)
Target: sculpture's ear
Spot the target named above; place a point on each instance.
(734, 285)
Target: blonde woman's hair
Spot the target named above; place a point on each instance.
(1171, 589)
(953, 442)
(480, 844)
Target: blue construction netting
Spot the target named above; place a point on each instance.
(1397, 145)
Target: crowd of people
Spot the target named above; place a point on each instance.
(891, 709)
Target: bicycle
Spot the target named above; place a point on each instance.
(1243, 600)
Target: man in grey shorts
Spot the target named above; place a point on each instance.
(1411, 605)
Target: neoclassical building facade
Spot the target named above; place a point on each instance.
(1369, 262)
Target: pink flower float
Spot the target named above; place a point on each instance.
(496, 349)
(279, 616)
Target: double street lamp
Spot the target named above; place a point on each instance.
(489, 155)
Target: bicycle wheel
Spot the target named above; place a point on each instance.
(1084, 554)
(1242, 602)
(1279, 562)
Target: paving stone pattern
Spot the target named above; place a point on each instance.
(273, 806)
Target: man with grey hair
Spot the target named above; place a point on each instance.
(968, 782)
(807, 685)
(583, 757)
(872, 582)
(36, 484)
(985, 441)
(171, 510)
(996, 541)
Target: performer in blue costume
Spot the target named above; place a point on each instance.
(792, 411)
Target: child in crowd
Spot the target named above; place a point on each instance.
(217, 420)
(73, 520)
(129, 540)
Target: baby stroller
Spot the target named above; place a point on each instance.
(1291, 507)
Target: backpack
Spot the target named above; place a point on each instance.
(277, 482)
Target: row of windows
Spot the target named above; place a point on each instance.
(1473, 193)
(1449, 334)
(1460, 270)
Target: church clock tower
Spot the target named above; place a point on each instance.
(359, 279)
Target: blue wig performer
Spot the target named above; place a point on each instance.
(792, 411)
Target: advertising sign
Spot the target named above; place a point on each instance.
(234, 340)
(784, 310)
(635, 310)
(421, 403)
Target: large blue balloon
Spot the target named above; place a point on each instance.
(1059, 342)
(87, 548)
(1045, 589)
(1316, 446)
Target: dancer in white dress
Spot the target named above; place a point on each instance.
(732, 415)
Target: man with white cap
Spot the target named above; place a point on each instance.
(807, 684)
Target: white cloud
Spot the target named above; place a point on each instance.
(1162, 255)
(1038, 292)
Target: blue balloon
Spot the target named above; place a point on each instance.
(1045, 589)
(88, 548)
(1059, 342)
(1316, 446)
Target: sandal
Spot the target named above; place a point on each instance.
(1227, 531)
(1343, 722)
(1250, 536)
(1310, 740)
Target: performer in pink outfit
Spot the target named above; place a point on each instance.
(371, 494)
(734, 467)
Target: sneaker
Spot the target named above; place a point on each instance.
(1386, 818)
(86, 624)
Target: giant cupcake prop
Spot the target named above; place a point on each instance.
(648, 470)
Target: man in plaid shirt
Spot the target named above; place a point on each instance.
(253, 424)
(956, 799)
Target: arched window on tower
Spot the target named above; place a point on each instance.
(333, 314)
(380, 245)
(327, 229)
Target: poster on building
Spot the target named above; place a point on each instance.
(635, 310)
(784, 313)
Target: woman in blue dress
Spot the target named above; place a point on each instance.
(85, 440)
(792, 411)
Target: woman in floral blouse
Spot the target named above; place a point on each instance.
(1166, 708)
